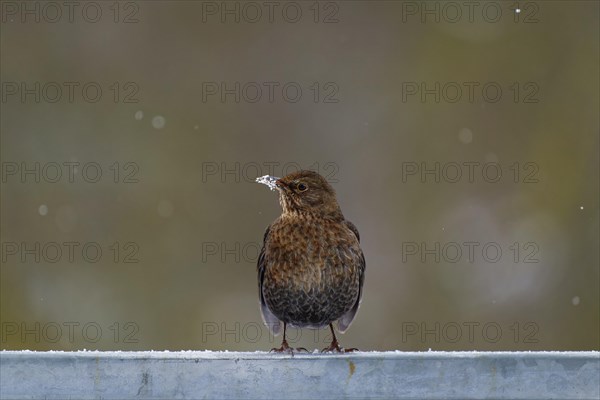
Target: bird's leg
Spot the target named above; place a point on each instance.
(334, 346)
(285, 347)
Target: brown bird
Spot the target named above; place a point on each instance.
(311, 268)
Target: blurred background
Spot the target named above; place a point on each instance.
(462, 141)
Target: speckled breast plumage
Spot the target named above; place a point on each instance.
(311, 270)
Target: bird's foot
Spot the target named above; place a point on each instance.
(285, 348)
(334, 347)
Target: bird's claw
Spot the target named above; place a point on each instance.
(285, 348)
(334, 347)
(302, 349)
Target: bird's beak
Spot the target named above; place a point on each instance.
(271, 181)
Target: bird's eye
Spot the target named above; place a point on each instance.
(302, 187)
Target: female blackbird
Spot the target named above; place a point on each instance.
(311, 268)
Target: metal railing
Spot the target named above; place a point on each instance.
(364, 375)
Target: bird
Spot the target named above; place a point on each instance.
(311, 268)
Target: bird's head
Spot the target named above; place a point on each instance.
(305, 192)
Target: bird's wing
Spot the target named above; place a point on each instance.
(353, 228)
(270, 320)
(346, 319)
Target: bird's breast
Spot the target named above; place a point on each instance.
(311, 253)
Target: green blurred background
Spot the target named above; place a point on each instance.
(178, 154)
